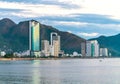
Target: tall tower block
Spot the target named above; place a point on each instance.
(55, 44)
(34, 38)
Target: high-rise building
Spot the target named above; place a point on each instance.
(34, 38)
(45, 47)
(92, 48)
(56, 47)
(88, 49)
(55, 44)
(95, 48)
(103, 52)
(83, 49)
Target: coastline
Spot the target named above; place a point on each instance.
(10, 59)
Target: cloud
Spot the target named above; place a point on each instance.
(95, 18)
(31, 10)
(62, 3)
(88, 34)
(106, 7)
(63, 7)
(87, 30)
(69, 23)
(85, 16)
(81, 18)
(9, 10)
(83, 25)
(69, 31)
(115, 27)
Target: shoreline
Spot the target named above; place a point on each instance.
(10, 59)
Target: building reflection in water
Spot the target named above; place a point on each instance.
(36, 72)
(46, 72)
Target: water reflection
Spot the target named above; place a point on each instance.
(36, 73)
(53, 74)
(79, 71)
(46, 72)
(12, 72)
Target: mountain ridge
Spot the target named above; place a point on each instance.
(15, 37)
(110, 42)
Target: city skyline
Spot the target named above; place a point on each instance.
(38, 47)
(84, 18)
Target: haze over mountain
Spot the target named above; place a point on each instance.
(15, 37)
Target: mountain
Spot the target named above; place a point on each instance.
(110, 42)
(15, 37)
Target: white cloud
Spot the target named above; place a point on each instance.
(36, 10)
(69, 31)
(103, 7)
(70, 23)
(74, 2)
(88, 34)
(106, 26)
(82, 24)
(64, 23)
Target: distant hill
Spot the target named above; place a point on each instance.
(110, 42)
(14, 37)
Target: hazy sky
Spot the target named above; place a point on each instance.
(85, 18)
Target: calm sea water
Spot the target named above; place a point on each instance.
(74, 71)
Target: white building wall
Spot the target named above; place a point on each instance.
(52, 50)
(96, 46)
(96, 54)
(106, 52)
(55, 44)
(103, 52)
(2, 53)
(88, 49)
(83, 49)
(47, 51)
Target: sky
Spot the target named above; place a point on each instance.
(85, 18)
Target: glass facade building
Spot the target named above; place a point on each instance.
(34, 36)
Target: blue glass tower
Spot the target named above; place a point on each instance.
(34, 38)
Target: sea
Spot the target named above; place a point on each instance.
(61, 71)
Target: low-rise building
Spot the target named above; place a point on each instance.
(103, 52)
(2, 53)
